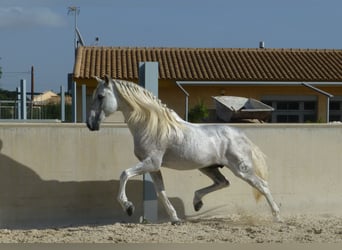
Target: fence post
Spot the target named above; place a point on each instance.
(73, 104)
(62, 103)
(23, 99)
(148, 78)
(18, 103)
(84, 103)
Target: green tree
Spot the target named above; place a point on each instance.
(7, 95)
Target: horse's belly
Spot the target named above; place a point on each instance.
(183, 165)
(183, 160)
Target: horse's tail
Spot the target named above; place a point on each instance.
(260, 167)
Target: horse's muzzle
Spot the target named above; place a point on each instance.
(93, 125)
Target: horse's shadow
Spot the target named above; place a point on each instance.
(28, 201)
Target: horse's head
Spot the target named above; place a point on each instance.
(103, 104)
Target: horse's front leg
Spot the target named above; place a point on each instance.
(160, 189)
(145, 166)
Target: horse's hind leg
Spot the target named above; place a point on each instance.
(160, 189)
(262, 186)
(219, 182)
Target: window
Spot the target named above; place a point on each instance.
(290, 105)
(335, 109)
(287, 118)
(292, 109)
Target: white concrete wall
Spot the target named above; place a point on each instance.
(63, 174)
(54, 174)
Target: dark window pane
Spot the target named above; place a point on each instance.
(293, 118)
(287, 118)
(282, 105)
(288, 105)
(281, 118)
(310, 118)
(334, 105)
(309, 105)
(334, 118)
(293, 105)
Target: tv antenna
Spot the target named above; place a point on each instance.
(75, 11)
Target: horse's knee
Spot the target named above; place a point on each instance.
(225, 183)
(124, 175)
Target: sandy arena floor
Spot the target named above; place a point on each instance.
(235, 229)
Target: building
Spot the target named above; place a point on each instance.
(46, 97)
(274, 76)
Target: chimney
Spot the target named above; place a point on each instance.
(261, 45)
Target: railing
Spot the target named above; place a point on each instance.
(9, 110)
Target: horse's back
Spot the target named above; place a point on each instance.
(202, 145)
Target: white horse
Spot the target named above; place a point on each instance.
(162, 138)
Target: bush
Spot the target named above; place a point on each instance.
(198, 113)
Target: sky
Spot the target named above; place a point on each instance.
(40, 33)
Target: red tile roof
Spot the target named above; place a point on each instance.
(212, 64)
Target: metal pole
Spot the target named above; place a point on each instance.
(75, 11)
(328, 109)
(75, 35)
(18, 103)
(148, 78)
(186, 100)
(73, 104)
(62, 104)
(328, 95)
(186, 108)
(84, 103)
(23, 99)
(32, 92)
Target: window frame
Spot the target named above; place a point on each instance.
(301, 112)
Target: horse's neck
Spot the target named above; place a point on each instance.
(126, 110)
(122, 104)
(137, 128)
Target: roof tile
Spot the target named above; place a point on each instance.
(217, 64)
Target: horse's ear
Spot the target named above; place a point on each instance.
(97, 79)
(107, 79)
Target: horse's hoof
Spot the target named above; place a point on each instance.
(176, 222)
(130, 209)
(198, 206)
(278, 219)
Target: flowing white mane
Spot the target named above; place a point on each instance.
(156, 119)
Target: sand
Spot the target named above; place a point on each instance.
(235, 228)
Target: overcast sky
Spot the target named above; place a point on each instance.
(40, 32)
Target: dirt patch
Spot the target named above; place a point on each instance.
(235, 229)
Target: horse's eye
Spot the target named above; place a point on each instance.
(100, 97)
